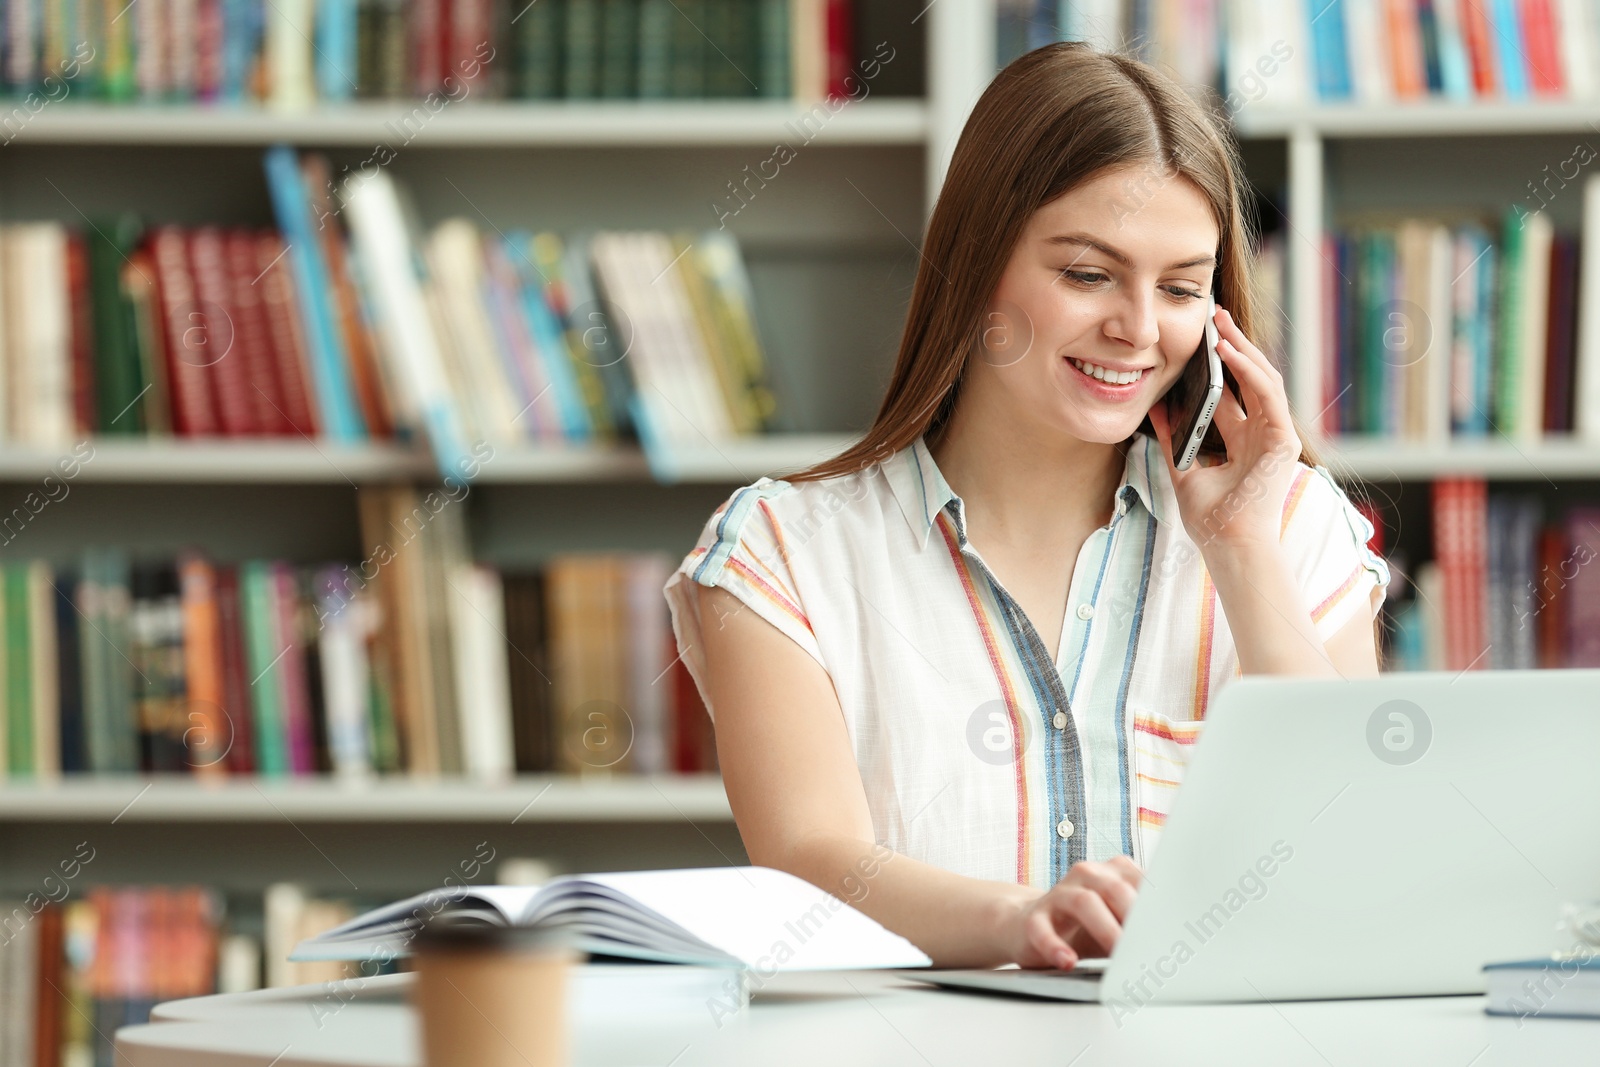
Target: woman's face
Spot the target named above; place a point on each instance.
(1113, 274)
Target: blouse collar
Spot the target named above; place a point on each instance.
(922, 491)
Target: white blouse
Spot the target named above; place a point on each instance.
(981, 751)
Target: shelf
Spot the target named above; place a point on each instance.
(1431, 118)
(288, 460)
(719, 463)
(529, 799)
(1384, 459)
(748, 459)
(738, 462)
(399, 124)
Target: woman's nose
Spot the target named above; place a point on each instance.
(1134, 322)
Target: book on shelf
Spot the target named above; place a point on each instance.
(458, 335)
(74, 970)
(1440, 329)
(1181, 36)
(290, 913)
(295, 54)
(639, 333)
(1371, 52)
(416, 660)
(1508, 585)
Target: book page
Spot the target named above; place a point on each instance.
(767, 919)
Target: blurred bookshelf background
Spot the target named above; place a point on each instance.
(343, 462)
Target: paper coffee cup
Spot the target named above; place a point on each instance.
(492, 996)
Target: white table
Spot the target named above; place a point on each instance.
(878, 1019)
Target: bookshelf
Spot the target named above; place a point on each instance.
(831, 248)
(832, 253)
(1344, 164)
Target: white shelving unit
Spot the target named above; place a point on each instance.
(645, 163)
(832, 246)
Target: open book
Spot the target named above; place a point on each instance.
(758, 918)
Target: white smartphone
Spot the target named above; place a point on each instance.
(1193, 398)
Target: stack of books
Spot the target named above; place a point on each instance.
(415, 660)
(297, 53)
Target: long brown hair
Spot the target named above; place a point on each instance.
(1051, 120)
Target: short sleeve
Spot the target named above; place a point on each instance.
(1328, 539)
(741, 549)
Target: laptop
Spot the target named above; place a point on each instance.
(1376, 837)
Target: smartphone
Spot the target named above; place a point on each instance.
(1193, 398)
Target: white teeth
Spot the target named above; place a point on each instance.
(1102, 374)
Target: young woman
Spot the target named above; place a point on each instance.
(955, 672)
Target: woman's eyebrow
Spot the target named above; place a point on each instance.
(1105, 249)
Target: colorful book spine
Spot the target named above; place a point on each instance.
(262, 651)
(338, 415)
(18, 671)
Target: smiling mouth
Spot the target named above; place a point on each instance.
(1108, 376)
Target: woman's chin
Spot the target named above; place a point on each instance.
(1105, 431)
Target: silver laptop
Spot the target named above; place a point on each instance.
(1368, 838)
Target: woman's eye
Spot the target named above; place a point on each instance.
(1188, 294)
(1088, 277)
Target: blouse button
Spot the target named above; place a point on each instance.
(1085, 611)
(1060, 720)
(1064, 828)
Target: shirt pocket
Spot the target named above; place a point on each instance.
(1161, 748)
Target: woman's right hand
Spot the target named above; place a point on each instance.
(1080, 916)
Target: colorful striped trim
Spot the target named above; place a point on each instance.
(772, 575)
(1156, 781)
(1320, 612)
(777, 533)
(1297, 490)
(1148, 817)
(1127, 678)
(728, 528)
(1146, 752)
(1007, 690)
(1202, 661)
(1157, 728)
(755, 581)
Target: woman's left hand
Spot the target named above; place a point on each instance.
(1238, 501)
